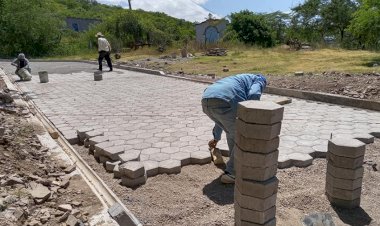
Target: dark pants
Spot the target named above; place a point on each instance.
(102, 55)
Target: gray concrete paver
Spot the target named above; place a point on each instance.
(146, 111)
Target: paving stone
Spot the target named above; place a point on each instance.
(170, 150)
(320, 151)
(132, 169)
(344, 184)
(254, 173)
(101, 146)
(183, 157)
(349, 174)
(104, 159)
(159, 157)
(151, 168)
(350, 148)
(246, 223)
(344, 162)
(82, 133)
(200, 157)
(375, 132)
(364, 137)
(130, 155)
(113, 152)
(116, 172)
(257, 189)
(257, 131)
(342, 193)
(253, 203)
(169, 167)
(131, 183)
(97, 140)
(110, 166)
(258, 217)
(94, 133)
(284, 162)
(300, 159)
(260, 112)
(347, 204)
(256, 160)
(255, 145)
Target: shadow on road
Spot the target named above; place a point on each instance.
(357, 216)
(219, 193)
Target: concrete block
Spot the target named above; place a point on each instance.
(260, 112)
(93, 133)
(151, 168)
(103, 159)
(246, 223)
(347, 204)
(184, 157)
(169, 166)
(256, 145)
(253, 203)
(364, 137)
(343, 194)
(254, 173)
(258, 217)
(116, 172)
(348, 174)
(86, 143)
(97, 140)
(346, 147)
(130, 155)
(256, 160)
(101, 146)
(131, 183)
(111, 165)
(344, 184)
(301, 159)
(258, 131)
(257, 189)
(284, 161)
(132, 169)
(113, 152)
(200, 157)
(82, 133)
(344, 162)
(375, 132)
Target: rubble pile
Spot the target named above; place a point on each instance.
(216, 52)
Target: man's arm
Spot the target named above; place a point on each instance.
(255, 92)
(14, 62)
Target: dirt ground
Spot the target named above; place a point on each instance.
(361, 85)
(26, 165)
(196, 196)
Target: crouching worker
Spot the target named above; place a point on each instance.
(22, 67)
(220, 102)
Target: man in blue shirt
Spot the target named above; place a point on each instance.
(220, 101)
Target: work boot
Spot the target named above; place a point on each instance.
(111, 69)
(227, 179)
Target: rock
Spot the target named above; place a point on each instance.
(65, 182)
(39, 192)
(2, 131)
(72, 221)
(34, 222)
(64, 217)
(12, 180)
(75, 212)
(226, 70)
(76, 203)
(65, 207)
(70, 169)
(318, 219)
(298, 73)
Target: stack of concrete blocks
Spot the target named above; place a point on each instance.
(345, 170)
(256, 159)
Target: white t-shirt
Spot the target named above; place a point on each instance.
(103, 45)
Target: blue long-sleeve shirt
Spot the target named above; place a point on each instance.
(235, 89)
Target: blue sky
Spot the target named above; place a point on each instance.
(198, 10)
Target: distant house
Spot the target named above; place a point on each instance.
(210, 31)
(80, 24)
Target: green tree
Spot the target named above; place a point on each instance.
(365, 25)
(252, 28)
(29, 26)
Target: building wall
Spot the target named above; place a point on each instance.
(79, 24)
(200, 29)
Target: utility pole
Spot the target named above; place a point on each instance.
(130, 6)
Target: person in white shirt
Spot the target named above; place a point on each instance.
(104, 49)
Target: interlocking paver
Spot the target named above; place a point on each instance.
(176, 120)
(169, 166)
(132, 169)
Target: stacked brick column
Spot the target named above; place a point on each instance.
(256, 156)
(344, 172)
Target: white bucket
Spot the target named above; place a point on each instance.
(24, 74)
(98, 76)
(44, 77)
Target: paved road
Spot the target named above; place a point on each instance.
(162, 117)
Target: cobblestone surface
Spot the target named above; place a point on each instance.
(162, 119)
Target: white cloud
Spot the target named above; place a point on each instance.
(185, 9)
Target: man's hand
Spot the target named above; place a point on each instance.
(212, 143)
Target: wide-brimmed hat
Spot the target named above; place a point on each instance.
(21, 56)
(99, 34)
